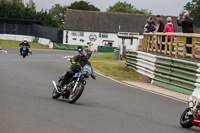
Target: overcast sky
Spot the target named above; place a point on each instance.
(163, 7)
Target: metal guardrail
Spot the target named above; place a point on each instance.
(176, 75)
(173, 74)
(141, 62)
(116, 54)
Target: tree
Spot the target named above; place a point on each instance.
(31, 5)
(15, 9)
(58, 12)
(124, 7)
(46, 18)
(83, 5)
(193, 8)
(143, 11)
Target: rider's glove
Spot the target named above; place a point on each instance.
(93, 76)
(73, 63)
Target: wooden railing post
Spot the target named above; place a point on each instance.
(166, 44)
(161, 43)
(146, 42)
(193, 47)
(156, 43)
(170, 46)
(148, 45)
(184, 46)
(177, 46)
(152, 44)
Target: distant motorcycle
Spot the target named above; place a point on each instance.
(24, 51)
(191, 116)
(75, 87)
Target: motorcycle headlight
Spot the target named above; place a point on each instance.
(86, 74)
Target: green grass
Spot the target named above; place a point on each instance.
(103, 57)
(15, 44)
(108, 66)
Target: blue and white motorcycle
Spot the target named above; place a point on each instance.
(72, 90)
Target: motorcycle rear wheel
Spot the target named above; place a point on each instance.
(185, 120)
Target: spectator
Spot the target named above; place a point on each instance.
(169, 27)
(152, 27)
(160, 27)
(187, 27)
(146, 26)
(151, 20)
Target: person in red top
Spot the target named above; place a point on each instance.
(169, 27)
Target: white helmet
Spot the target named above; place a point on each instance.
(25, 40)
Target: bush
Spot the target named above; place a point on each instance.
(197, 30)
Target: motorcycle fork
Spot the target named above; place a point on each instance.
(75, 85)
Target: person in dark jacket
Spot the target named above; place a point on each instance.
(77, 61)
(187, 27)
(24, 43)
(160, 27)
(151, 27)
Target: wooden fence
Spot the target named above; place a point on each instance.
(154, 42)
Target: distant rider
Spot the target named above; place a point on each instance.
(80, 50)
(24, 43)
(77, 61)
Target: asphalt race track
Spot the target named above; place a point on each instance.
(26, 105)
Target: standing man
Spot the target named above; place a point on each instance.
(160, 27)
(187, 27)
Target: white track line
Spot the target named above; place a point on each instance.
(142, 88)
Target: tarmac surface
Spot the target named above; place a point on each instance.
(106, 106)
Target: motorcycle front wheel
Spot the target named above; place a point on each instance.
(55, 94)
(186, 120)
(24, 54)
(75, 95)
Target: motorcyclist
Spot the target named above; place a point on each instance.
(77, 61)
(24, 43)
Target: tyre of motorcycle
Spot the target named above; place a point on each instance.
(24, 53)
(55, 94)
(186, 123)
(73, 97)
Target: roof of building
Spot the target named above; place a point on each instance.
(95, 21)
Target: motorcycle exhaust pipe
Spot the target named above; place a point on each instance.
(55, 86)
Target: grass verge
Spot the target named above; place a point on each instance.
(106, 64)
(15, 44)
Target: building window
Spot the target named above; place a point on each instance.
(103, 35)
(77, 33)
